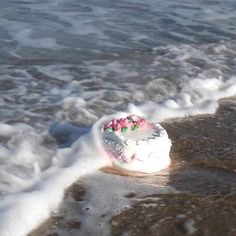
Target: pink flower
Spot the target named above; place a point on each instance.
(114, 122)
(125, 122)
(131, 121)
(142, 123)
(117, 127)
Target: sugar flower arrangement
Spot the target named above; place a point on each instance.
(131, 122)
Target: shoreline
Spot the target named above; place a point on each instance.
(203, 170)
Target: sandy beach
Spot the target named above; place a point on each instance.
(203, 172)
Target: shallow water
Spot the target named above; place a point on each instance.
(66, 64)
(108, 54)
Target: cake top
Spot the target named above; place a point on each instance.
(129, 123)
(132, 128)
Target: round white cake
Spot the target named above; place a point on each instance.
(136, 144)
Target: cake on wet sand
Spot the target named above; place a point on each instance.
(136, 144)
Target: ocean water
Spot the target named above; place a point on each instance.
(66, 64)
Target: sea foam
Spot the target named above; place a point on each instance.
(24, 210)
(40, 180)
(34, 176)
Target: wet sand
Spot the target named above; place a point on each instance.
(203, 171)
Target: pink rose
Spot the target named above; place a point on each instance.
(142, 123)
(125, 122)
(117, 127)
(114, 122)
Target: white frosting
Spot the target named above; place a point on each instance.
(145, 150)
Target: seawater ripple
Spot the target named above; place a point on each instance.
(178, 75)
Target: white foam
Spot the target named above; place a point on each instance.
(105, 197)
(200, 96)
(9, 130)
(46, 191)
(189, 226)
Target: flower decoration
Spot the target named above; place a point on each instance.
(131, 122)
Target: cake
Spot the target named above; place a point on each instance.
(136, 144)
